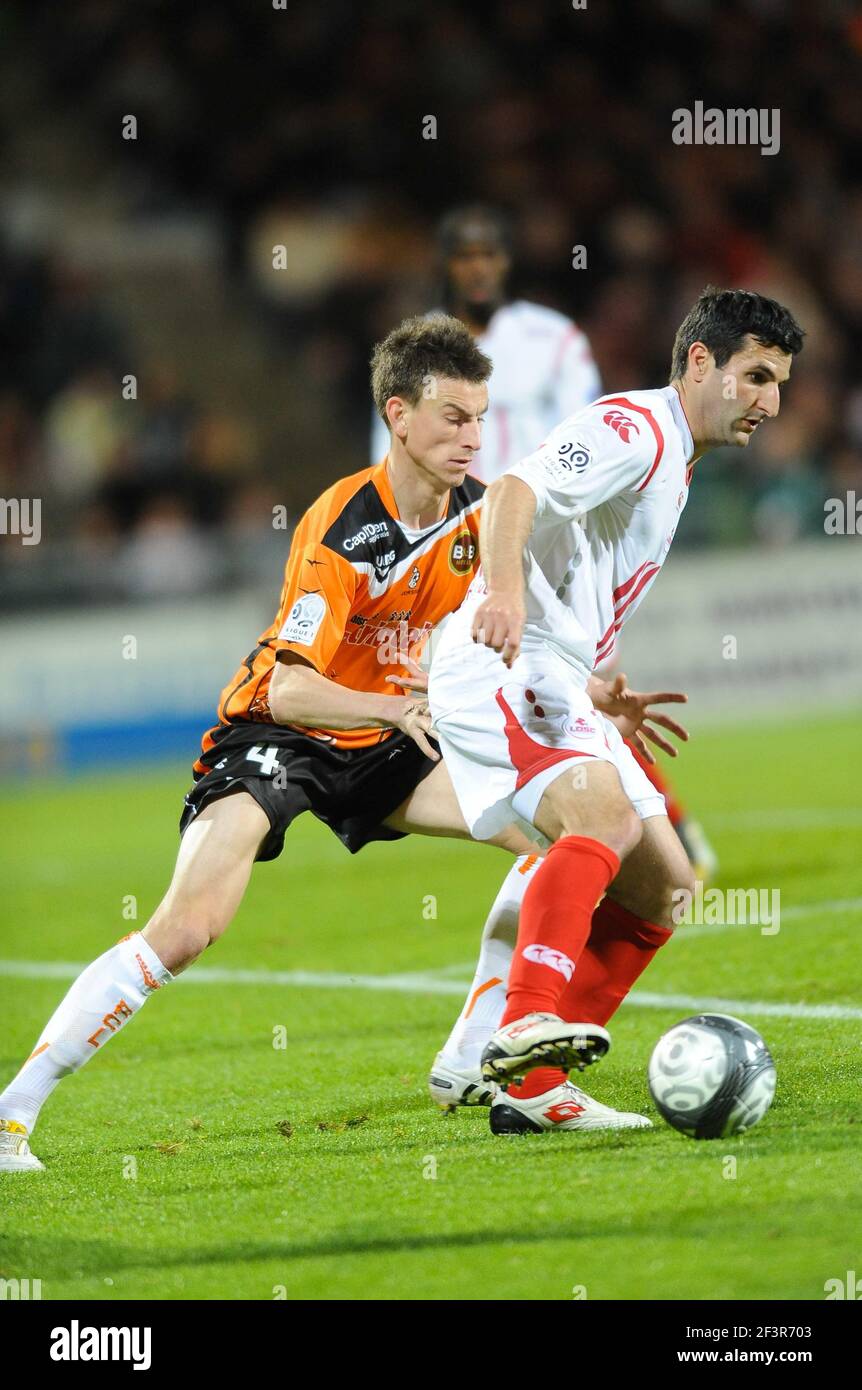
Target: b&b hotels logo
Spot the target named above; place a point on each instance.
(77, 1343)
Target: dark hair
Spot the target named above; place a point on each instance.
(722, 319)
(460, 224)
(420, 348)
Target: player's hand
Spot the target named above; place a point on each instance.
(498, 623)
(417, 681)
(630, 710)
(414, 718)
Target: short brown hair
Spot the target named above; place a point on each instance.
(421, 348)
(722, 319)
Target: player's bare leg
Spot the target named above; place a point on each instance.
(212, 870)
(588, 800)
(652, 873)
(213, 867)
(432, 809)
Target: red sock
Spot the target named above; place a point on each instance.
(618, 950)
(537, 1082)
(675, 810)
(555, 922)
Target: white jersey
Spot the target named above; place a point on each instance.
(543, 371)
(610, 484)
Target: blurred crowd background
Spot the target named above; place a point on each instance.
(259, 126)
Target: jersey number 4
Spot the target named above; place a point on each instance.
(267, 757)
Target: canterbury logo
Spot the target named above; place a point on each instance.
(546, 955)
(565, 1110)
(623, 424)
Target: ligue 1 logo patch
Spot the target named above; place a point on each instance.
(463, 552)
(304, 620)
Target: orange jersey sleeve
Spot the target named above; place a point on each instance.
(318, 594)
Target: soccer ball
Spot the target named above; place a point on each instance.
(711, 1076)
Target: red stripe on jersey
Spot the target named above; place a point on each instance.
(603, 654)
(529, 758)
(650, 418)
(618, 619)
(622, 589)
(619, 593)
(604, 648)
(644, 579)
(604, 637)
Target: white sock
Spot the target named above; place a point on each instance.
(486, 1000)
(104, 997)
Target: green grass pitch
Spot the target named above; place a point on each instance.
(196, 1160)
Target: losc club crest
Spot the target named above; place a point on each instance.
(463, 552)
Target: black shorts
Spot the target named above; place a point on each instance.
(351, 790)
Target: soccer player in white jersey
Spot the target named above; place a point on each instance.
(543, 371)
(571, 540)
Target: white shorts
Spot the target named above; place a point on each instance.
(505, 735)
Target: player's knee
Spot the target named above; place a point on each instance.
(619, 826)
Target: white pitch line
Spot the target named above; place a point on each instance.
(429, 984)
(742, 1006)
(218, 975)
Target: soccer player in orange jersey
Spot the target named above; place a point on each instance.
(315, 718)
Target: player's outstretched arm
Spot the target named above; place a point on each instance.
(507, 520)
(298, 694)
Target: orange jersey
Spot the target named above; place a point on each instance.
(360, 594)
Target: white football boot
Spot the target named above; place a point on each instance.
(451, 1086)
(15, 1155)
(564, 1107)
(542, 1040)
